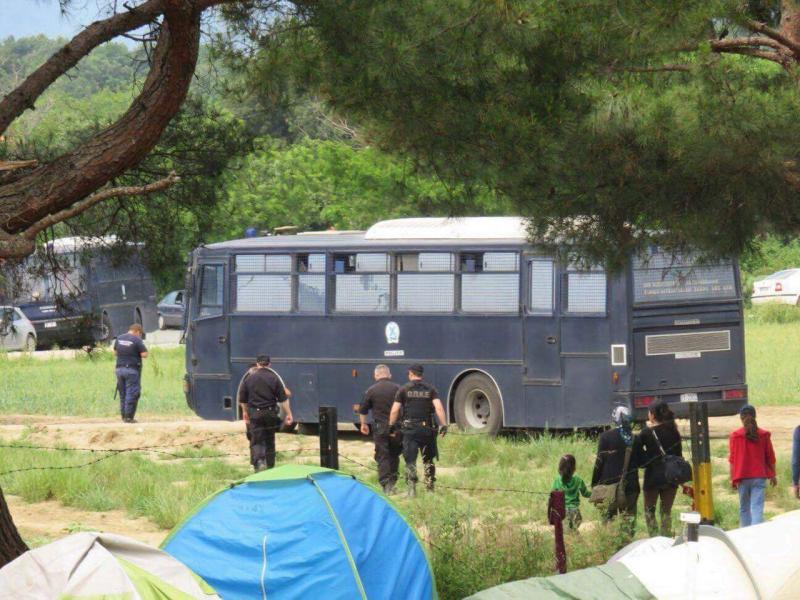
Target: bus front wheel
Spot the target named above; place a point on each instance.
(477, 405)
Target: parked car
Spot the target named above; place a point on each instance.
(16, 331)
(170, 310)
(782, 287)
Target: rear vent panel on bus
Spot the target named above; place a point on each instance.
(678, 343)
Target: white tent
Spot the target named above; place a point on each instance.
(100, 566)
(761, 562)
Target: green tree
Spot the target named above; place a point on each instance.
(317, 184)
(613, 124)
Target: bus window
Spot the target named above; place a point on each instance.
(490, 282)
(267, 291)
(425, 282)
(585, 291)
(541, 297)
(311, 283)
(362, 282)
(664, 277)
(211, 290)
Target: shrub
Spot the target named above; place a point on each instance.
(774, 313)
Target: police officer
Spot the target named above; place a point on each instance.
(129, 350)
(260, 394)
(419, 401)
(388, 446)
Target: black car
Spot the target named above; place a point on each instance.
(170, 310)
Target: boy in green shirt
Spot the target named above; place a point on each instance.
(573, 488)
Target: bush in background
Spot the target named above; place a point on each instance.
(774, 313)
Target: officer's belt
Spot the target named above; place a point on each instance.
(415, 422)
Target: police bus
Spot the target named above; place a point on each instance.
(509, 336)
(91, 291)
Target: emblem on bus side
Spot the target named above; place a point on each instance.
(392, 333)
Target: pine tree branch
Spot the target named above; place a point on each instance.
(774, 34)
(12, 165)
(776, 57)
(96, 198)
(750, 42)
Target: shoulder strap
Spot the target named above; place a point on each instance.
(660, 447)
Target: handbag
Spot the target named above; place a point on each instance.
(676, 469)
(612, 495)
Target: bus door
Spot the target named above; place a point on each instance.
(541, 328)
(208, 343)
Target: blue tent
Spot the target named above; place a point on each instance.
(302, 532)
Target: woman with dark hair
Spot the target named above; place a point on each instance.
(752, 462)
(617, 461)
(573, 488)
(659, 438)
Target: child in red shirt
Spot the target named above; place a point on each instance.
(752, 462)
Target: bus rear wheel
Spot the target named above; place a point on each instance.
(477, 405)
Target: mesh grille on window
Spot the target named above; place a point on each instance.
(490, 292)
(541, 286)
(311, 293)
(586, 292)
(264, 293)
(425, 292)
(362, 293)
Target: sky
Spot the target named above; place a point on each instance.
(22, 18)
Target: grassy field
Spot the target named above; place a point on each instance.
(85, 386)
(477, 531)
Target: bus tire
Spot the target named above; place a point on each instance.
(477, 405)
(308, 428)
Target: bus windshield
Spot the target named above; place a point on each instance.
(666, 277)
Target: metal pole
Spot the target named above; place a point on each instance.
(701, 461)
(328, 437)
(557, 511)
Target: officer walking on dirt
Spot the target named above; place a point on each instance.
(388, 446)
(419, 401)
(259, 396)
(129, 350)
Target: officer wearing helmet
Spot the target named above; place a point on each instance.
(419, 402)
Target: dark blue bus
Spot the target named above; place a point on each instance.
(92, 292)
(510, 337)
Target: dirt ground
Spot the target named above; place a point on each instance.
(167, 434)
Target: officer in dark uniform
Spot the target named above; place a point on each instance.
(129, 350)
(419, 401)
(260, 394)
(388, 446)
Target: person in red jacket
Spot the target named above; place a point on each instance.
(752, 463)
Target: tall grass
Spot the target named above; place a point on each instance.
(84, 386)
(773, 361)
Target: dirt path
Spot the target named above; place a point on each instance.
(168, 434)
(43, 522)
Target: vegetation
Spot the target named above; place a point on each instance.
(86, 385)
(478, 532)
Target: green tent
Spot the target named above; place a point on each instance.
(100, 566)
(607, 582)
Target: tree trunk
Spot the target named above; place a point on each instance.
(11, 544)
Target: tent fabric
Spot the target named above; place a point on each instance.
(302, 532)
(607, 582)
(712, 568)
(100, 566)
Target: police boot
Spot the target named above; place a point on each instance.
(411, 480)
(260, 465)
(388, 488)
(430, 476)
